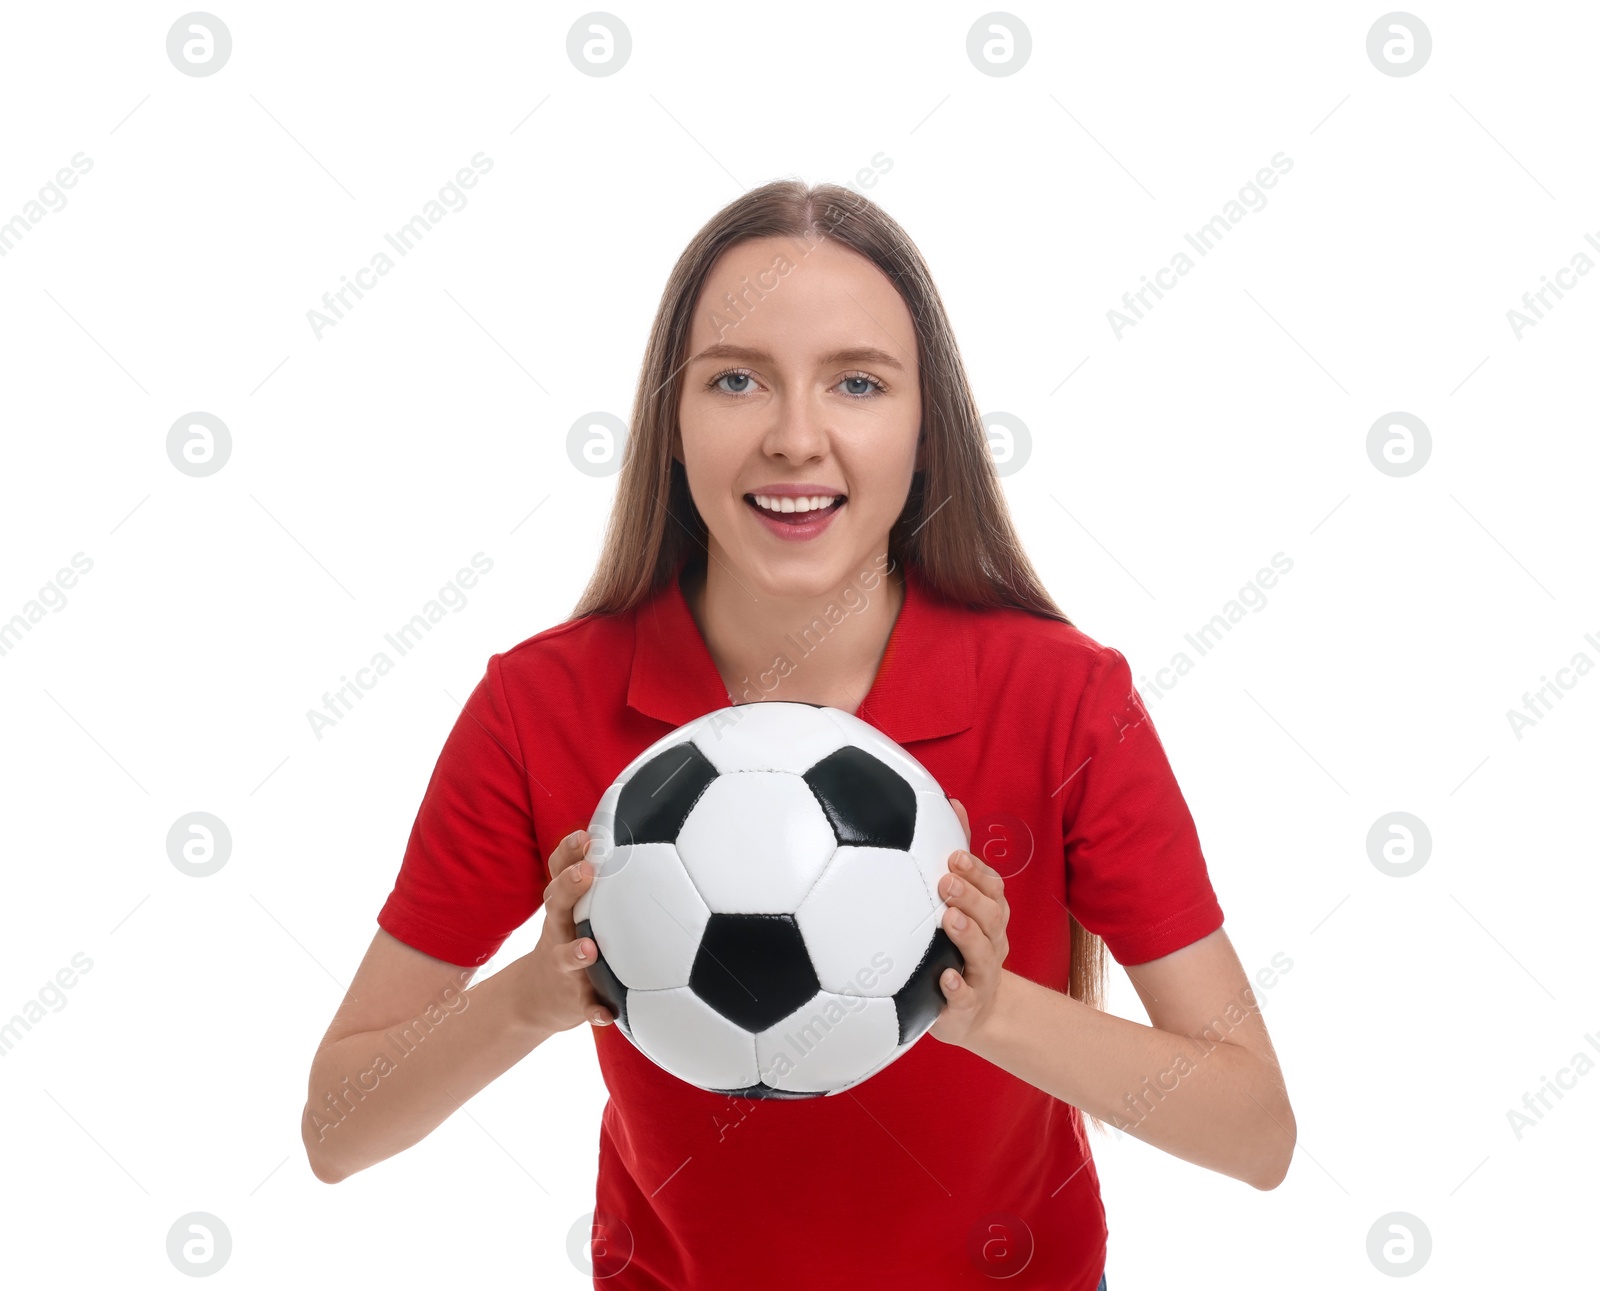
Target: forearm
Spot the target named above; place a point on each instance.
(1199, 1098)
(375, 1093)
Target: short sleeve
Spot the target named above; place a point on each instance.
(1136, 876)
(472, 873)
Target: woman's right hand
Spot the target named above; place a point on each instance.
(560, 995)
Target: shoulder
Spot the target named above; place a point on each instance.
(1017, 644)
(1049, 676)
(582, 652)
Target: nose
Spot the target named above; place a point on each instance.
(799, 432)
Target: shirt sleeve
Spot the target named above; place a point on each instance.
(472, 873)
(1136, 876)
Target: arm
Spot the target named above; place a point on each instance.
(411, 1042)
(1202, 1083)
(407, 1046)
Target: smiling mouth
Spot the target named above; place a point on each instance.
(773, 510)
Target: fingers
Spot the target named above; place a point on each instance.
(575, 956)
(595, 1012)
(571, 876)
(972, 869)
(980, 948)
(568, 851)
(571, 873)
(578, 954)
(978, 911)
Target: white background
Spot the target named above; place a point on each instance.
(370, 464)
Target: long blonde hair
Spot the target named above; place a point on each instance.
(963, 544)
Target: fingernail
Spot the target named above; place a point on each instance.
(600, 1021)
(582, 951)
(956, 887)
(571, 840)
(959, 922)
(963, 861)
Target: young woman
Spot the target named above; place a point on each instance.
(808, 510)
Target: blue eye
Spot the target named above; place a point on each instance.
(872, 385)
(737, 376)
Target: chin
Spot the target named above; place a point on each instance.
(809, 577)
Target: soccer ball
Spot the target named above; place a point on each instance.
(765, 901)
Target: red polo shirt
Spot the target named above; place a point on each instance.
(942, 1170)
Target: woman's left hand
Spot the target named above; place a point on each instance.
(976, 921)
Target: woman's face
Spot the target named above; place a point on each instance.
(807, 386)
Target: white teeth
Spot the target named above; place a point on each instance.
(795, 504)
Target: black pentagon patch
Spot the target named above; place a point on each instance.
(607, 985)
(920, 1001)
(868, 803)
(753, 969)
(656, 800)
(764, 1090)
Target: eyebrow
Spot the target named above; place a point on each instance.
(853, 354)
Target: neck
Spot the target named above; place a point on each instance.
(810, 649)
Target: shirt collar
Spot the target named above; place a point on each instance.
(924, 687)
